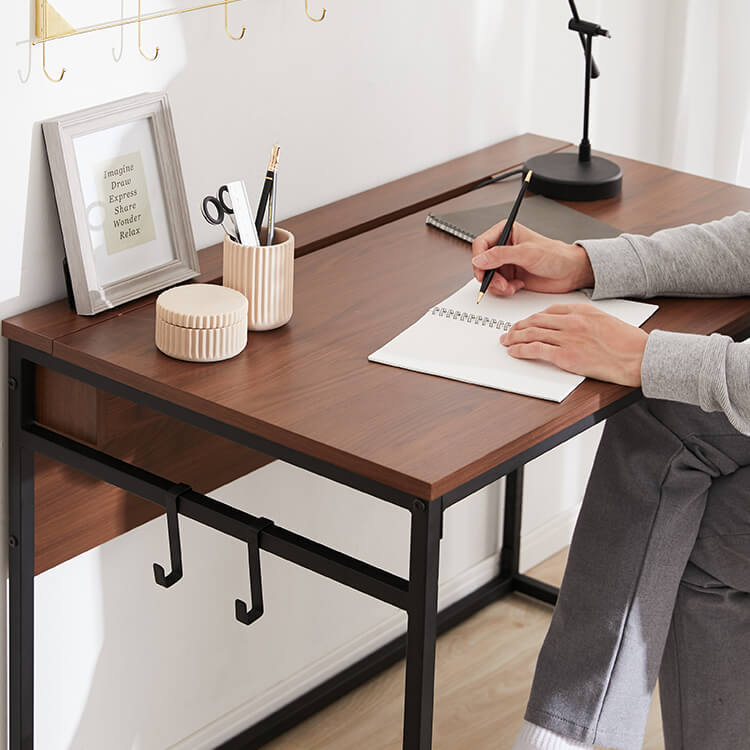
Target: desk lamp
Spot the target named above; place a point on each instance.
(581, 176)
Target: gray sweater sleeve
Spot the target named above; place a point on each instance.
(710, 260)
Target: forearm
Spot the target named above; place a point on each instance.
(712, 372)
(708, 260)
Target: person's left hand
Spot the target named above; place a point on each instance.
(581, 339)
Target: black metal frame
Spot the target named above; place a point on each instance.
(417, 595)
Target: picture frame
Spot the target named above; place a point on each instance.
(121, 200)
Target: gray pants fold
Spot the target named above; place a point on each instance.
(657, 585)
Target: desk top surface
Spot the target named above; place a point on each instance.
(310, 387)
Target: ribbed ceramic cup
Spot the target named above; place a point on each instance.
(265, 275)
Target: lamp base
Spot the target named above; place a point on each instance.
(564, 177)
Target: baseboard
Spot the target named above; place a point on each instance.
(541, 543)
(548, 538)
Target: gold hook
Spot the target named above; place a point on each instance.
(309, 15)
(226, 24)
(140, 49)
(44, 66)
(44, 49)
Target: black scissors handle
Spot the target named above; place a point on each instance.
(218, 205)
(211, 203)
(223, 198)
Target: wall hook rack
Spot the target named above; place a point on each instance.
(50, 25)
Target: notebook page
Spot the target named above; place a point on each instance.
(457, 346)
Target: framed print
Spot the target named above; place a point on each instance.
(121, 199)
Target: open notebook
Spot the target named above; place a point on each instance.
(459, 339)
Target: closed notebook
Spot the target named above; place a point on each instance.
(541, 214)
(459, 339)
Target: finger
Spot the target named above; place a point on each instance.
(528, 335)
(542, 320)
(501, 255)
(535, 350)
(500, 279)
(561, 309)
(504, 287)
(487, 239)
(499, 283)
(509, 271)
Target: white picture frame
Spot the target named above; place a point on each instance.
(121, 200)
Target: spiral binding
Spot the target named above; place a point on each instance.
(453, 229)
(477, 320)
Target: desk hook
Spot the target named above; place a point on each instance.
(173, 528)
(226, 24)
(242, 613)
(310, 16)
(140, 48)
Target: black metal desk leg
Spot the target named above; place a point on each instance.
(21, 554)
(426, 526)
(511, 549)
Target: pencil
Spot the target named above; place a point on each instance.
(505, 234)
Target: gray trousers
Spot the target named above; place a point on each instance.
(657, 584)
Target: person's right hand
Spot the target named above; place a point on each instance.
(530, 261)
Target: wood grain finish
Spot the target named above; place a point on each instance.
(309, 385)
(655, 198)
(322, 226)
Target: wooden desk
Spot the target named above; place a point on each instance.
(307, 395)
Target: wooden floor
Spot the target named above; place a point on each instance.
(484, 671)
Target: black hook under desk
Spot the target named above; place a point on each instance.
(173, 529)
(242, 613)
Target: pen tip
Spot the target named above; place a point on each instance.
(528, 175)
(479, 297)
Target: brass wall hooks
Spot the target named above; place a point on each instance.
(50, 25)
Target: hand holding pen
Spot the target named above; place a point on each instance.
(505, 234)
(530, 261)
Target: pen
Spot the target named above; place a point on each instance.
(267, 186)
(505, 234)
(272, 209)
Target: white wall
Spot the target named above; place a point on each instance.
(378, 91)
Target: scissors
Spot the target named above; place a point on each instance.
(222, 208)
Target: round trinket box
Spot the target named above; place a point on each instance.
(201, 322)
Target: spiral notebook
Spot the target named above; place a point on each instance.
(538, 213)
(459, 339)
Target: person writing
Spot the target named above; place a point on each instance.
(658, 578)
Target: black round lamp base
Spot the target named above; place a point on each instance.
(564, 177)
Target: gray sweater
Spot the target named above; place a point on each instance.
(710, 260)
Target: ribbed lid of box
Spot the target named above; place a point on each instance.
(201, 306)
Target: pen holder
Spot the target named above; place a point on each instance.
(265, 275)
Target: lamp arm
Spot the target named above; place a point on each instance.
(576, 17)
